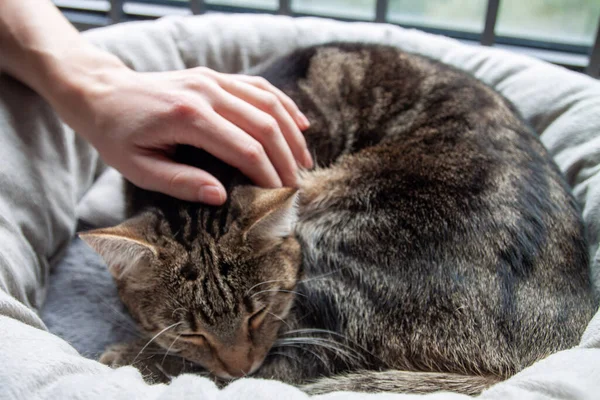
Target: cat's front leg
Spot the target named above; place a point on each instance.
(153, 362)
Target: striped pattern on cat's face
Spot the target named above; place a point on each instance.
(212, 284)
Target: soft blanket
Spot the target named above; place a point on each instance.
(47, 171)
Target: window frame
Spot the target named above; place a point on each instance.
(86, 14)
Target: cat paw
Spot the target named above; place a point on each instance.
(116, 355)
(153, 363)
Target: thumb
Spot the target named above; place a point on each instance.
(179, 180)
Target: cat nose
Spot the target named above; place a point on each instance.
(250, 367)
(239, 373)
(237, 362)
(239, 370)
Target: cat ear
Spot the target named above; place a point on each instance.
(271, 213)
(122, 247)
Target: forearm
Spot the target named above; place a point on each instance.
(39, 47)
(135, 120)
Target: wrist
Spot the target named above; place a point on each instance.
(72, 84)
(76, 74)
(41, 48)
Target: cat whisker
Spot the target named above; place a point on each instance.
(161, 369)
(332, 333)
(154, 337)
(278, 290)
(177, 309)
(126, 326)
(148, 353)
(279, 318)
(324, 332)
(313, 278)
(317, 356)
(277, 353)
(169, 349)
(263, 283)
(341, 350)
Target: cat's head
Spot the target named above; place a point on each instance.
(212, 283)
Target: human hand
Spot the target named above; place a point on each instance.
(136, 119)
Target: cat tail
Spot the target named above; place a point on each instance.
(402, 382)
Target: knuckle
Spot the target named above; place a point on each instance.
(270, 128)
(261, 82)
(180, 108)
(289, 103)
(176, 181)
(254, 153)
(202, 70)
(198, 83)
(271, 102)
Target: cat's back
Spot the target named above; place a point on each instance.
(437, 219)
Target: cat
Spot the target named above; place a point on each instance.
(436, 245)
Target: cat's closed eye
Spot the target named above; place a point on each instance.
(196, 336)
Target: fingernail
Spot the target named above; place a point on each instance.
(303, 121)
(211, 195)
(308, 161)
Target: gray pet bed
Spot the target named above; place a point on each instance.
(564, 107)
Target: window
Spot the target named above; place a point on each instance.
(459, 15)
(561, 31)
(352, 9)
(259, 4)
(571, 22)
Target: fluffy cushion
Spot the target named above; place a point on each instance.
(562, 106)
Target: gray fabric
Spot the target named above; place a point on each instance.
(46, 170)
(83, 306)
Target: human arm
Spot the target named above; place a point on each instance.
(136, 119)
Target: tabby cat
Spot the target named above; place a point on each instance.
(435, 247)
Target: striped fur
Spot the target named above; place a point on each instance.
(435, 247)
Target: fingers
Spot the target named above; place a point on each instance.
(258, 92)
(273, 103)
(249, 124)
(179, 180)
(290, 106)
(266, 130)
(232, 145)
